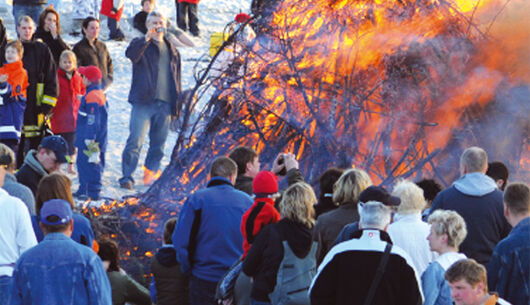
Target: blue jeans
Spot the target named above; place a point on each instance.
(32, 10)
(155, 117)
(114, 28)
(202, 292)
(5, 281)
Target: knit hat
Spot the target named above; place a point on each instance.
(92, 73)
(265, 183)
(242, 18)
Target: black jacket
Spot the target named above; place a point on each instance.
(95, 55)
(266, 254)
(244, 184)
(144, 57)
(347, 272)
(38, 62)
(139, 22)
(57, 46)
(31, 172)
(171, 284)
(3, 42)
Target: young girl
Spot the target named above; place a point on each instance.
(71, 87)
(13, 84)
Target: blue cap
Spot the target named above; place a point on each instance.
(56, 207)
(58, 145)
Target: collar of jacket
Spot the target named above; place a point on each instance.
(382, 234)
(215, 181)
(31, 161)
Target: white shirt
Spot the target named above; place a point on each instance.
(410, 234)
(16, 231)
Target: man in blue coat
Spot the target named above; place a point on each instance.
(155, 97)
(477, 199)
(207, 238)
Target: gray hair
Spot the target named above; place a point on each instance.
(451, 224)
(475, 159)
(374, 214)
(25, 18)
(156, 14)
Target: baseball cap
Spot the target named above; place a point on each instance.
(265, 183)
(58, 145)
(380, 194)
(56, 207)
(92, 73)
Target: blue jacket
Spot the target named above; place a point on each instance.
(92, 118)
(60, 271)
(509, 267)
(207, 237)
(144, 56)
(11, 112)
(476, 198)
(82, 233)
(435, 288)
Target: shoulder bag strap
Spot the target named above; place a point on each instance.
(378, 275)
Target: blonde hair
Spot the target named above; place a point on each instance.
(297, 204)
(350, 185)
(411, 195)
(449, 223)
(69, 54)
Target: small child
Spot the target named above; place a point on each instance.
(262, 212)
(91, 134)
(71, 87)
(13, 85)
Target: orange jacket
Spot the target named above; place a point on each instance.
(17, 77)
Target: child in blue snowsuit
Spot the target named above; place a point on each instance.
(91, 134)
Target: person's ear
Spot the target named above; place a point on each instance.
(499, 182)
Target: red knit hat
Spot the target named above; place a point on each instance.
(92, 73)
(265, 182)
(242, 18)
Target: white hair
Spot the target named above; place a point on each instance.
(155, 14)
(411, 195)
(374, 215)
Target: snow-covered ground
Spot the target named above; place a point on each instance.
(213, 16)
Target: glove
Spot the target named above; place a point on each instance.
(92, 151)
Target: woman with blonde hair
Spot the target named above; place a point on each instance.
(59, 186)
(346, 193)
(448, 231)
(284, 251)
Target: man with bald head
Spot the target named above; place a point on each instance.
(478, 200)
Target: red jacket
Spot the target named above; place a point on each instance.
(64, 117)
(260, 214)
(190, 1)
(106, 8)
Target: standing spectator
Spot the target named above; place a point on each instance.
(188, 16)
(58, 186)
(113, 9)
(325, 200)
(408, 231)
(124, 288)
(477, 199)
(140, 18)
(91, 134)
(209, 223)
(11, 186)
(430, 188)
(248, 166)
(346, 193)
(42, 91)
(74, 273)
(469, 284)
(448, 230)
(509, 267)
(51, 153)
(31, 8)
(282, 259)
(49, 30)
(16, 235)
(13, 92)
(155, 97)
(499, 172)
(82, 9)
(64, 118)
(171, 285)
(90, 51)
(367, 268)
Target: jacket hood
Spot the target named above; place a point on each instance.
(167, 256)
(32, 162)
(475, 184)
(298, 236)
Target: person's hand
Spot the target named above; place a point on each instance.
(53, 30)
(3, 78)
(276, 167)
(290, 161)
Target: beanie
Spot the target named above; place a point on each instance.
(265, 182)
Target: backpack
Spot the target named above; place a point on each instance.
(294, 277)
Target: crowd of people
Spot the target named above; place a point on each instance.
(241, 239)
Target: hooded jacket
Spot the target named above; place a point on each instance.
(476, 198)
(261, 213)
(31, 172)
(12, 100)
(171, 284)
(64, 117)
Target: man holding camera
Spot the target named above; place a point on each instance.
(155, 97)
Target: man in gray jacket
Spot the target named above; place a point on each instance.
(11, 186)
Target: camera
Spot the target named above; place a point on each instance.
(281, 161)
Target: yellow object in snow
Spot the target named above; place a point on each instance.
(216, 41)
